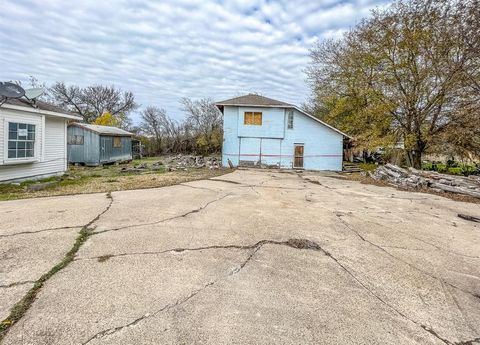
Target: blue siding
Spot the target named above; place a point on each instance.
(273, 143)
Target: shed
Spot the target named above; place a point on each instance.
(32, 140)
(96, 145)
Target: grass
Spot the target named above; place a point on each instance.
(452, 169)
(108, 178)
(21, 307)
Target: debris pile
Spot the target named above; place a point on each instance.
(414, 178)
(188, 161)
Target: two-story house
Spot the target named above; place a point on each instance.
(260, 131)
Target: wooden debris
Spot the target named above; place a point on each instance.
(470, 218)
(414, 178)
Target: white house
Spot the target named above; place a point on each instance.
(260, 131)
(33, 140)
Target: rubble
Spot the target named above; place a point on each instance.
(414, 178)
(190, 161)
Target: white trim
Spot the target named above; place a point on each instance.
(12, 161)
(40, 111)
(42, 158)
(323, 123)
(65, 146)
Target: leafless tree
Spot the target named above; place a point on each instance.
(92, 101)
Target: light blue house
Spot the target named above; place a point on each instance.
(259, 131)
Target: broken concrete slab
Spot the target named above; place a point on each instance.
(208, 262)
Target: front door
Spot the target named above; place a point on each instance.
(298, 158)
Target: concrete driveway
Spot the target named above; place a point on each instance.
(252, 257)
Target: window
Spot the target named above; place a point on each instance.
(21, 140)
(290, 119)
(252, 118)
(117, 142)
(75, 140)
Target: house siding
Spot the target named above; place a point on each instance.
(272, 144)
(50, 146)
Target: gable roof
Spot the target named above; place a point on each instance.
(39, 107)
(253, 100)
(105, 130)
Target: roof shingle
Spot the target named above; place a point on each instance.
(256, 100)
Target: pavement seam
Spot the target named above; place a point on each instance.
(21, 307)
(348, 226)
(294, 243)
(183, 215)
(426, 328)
(6, 286)
(39, 231)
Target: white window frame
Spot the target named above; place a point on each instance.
(36, 143)
(290, 114)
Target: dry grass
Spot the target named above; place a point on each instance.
(368, 180)
(82, 180)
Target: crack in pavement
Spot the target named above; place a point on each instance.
(38, 231)
(348, 226)
(183, 215)
(6, 286)
(24, 304)
(294, 243)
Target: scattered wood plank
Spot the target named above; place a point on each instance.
(470, 218)
(414, 178)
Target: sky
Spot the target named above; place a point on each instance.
(165, 50)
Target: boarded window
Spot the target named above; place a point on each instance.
(75, 140)
(290, 120)
(252, 118)
(21, 140)
(117, 142)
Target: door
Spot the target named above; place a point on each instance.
(105, 148)
(298, 156)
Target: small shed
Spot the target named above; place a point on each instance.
(96, 145)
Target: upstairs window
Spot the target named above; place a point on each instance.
(117, 142)
(21, 140)
(290, 119)
(252, 118)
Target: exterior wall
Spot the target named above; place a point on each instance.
(231, 142)
(89, 152)
(272, 144)
(50, 146)
(323, 146)
(108, 153)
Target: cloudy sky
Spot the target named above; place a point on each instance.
(165, 50)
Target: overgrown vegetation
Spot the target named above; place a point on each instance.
(408, 76)
(80, 180)
(452, 167)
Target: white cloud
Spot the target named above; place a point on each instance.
(166, 50)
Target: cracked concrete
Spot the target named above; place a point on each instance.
(210, 262)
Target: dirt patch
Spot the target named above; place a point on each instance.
(84, 180)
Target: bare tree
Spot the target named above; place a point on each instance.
(92, 101)
(205, 121)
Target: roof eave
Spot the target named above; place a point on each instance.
(323, 123)
(41, 112)
(254, 105)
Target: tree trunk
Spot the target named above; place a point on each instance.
(417, 159)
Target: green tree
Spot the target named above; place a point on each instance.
(406, 75)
